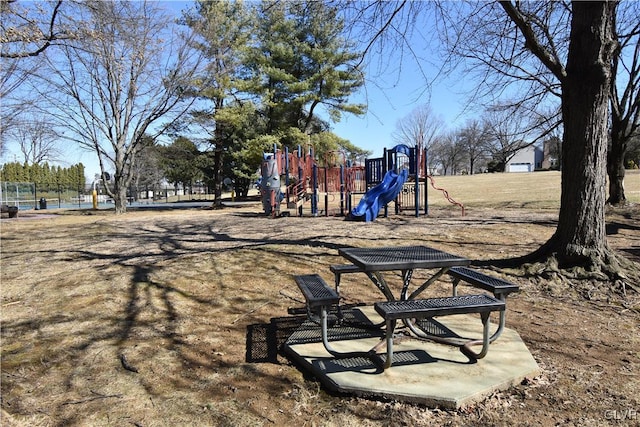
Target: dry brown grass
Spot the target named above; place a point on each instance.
(540, 190)
(177, 293)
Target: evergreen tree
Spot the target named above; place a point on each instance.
(44, 176)
(325, 143)
(180, 162)
(300, 64)
(223, 30)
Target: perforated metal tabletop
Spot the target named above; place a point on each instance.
(401, 258)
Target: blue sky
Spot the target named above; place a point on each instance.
(393, 96)
(390, 96)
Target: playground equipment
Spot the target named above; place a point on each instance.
(306, 181)
(270, 186)
(386, 191)
(399, 176)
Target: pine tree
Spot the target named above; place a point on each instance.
(302, 63)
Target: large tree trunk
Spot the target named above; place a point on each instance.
(120, 199)
(117, 190)
(615, 166)
(217, 178)
(119, 193)
(580, 238)
(218, 156)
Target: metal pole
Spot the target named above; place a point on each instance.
(300, 178)
(341, 190)
(326, 191)
(286, 171)
(314, 198)
(349, 188)
(426, 173)
(416, 151)
(385, 167)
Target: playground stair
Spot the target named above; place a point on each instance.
(301, 196)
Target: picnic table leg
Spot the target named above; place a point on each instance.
(455, 286)
(325, 333)
(406, 280)
(324, 325)
(428, 283)
(337, 281)
(503, 313)
(466, 349)
(391, 324)
(381, 284)
(501, 324)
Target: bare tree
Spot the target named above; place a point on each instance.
(504, 135)
(420, 128)
(585, 78)
(38, 141)
(511, 74)
(13, 74)
(447, 152)
(625, 98)
(480, 38)
(580, 73)
(147, 171)
(473, 139)
(113, 87)
(28, 29)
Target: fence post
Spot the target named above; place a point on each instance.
(426, 175)
(417, 170)
(314, 196)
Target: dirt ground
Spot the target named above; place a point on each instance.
(144, 319)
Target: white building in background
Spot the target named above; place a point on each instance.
(527, 159)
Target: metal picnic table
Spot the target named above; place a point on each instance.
(374, 261)
(407, 308)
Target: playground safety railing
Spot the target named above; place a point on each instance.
(445, 193)
(296, 193)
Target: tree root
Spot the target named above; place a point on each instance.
(600, 277)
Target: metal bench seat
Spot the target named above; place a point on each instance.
(392, 311)
(443, 306)
(345, 268)
(316, 292)
(501, 289)
(498, 287)
(319, 299)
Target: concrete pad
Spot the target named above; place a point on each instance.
(425, 372)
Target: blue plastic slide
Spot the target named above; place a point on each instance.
(379, 196)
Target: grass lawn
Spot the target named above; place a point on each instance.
(144, 319)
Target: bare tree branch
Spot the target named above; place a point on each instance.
(28, 32)
(112, 87)
(548, 58)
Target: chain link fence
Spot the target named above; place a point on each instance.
(30, 195)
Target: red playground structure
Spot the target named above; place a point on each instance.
(337, 182)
